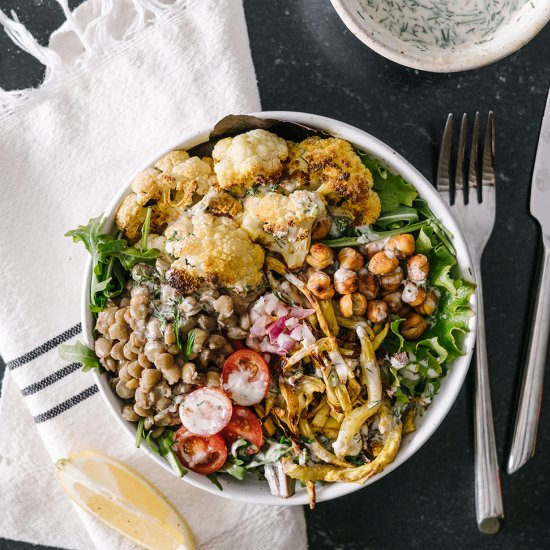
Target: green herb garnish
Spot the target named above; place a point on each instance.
(79, 353)
(190, 342)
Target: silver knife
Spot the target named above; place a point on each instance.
(525, 432)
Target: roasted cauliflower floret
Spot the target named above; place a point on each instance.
(171, 159)
(284, 223)
(223, 204)
(191, 176)
(216, 250)
(130, 216)
(295, 167)
(342, 177)
(247, 159)
(152, 185)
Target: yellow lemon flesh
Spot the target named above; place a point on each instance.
(122, 499)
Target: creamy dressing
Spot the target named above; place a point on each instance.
(442, 24)
(243, 390)
(205, 411)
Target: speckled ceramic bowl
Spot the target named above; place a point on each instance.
(524, 25)
(252, 490)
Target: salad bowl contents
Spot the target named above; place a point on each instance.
(277, 304)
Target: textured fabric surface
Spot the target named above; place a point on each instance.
(123, 84)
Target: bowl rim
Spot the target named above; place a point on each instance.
(451, 385)
(452, 63)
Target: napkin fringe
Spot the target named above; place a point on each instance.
(96, 37)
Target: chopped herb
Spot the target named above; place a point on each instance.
(283, 298)
(177, 329)
(190, 342)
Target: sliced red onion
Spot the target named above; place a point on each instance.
(276, 329)
(271, 302)
(266, 347)
(296, 333)
(286, 342)
(259, 328)
(291, 323)
(300, 312)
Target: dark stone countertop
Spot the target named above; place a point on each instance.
(306, 60)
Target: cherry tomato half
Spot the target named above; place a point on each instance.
(243, 424)
(205, 411)
(204, 455)
(245, 377)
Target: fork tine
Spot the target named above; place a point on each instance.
(488, 176)
(443, 181)
(472, 170)
(459, 172)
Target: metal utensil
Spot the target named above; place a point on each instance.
(527, 418)
(475, 213)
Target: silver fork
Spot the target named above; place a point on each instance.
(474, 208)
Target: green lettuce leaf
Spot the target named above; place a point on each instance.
(392, 189)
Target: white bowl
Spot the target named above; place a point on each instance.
(523, 26)
(252, 490)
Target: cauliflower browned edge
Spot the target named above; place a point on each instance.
(249, 159)
(342, 177)
(216, 250)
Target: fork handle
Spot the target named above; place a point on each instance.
(489, 508)
(525, 431)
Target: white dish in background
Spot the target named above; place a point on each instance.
(252, 490)
(527, 18)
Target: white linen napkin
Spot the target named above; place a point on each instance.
(124, 78)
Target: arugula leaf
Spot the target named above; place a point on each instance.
(165, 442)
(111, 259)
(214, 479)
(392, 189)
(233, 469)
(395, 219)
(79, 353)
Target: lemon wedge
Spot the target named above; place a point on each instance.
(122, 499)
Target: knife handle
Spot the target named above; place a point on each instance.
(525, 431)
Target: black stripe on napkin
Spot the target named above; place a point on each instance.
(66, 405)
(49, 380)
(47, 346)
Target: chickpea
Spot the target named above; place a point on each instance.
(413, 327)
(321, 228)
(345, 281)
(373, 247)
(103, 347)
(320, 284)
(418, 268)
(350, 259)
(188, 374)
(383, 263)
(377, 311)
(401, 245)
(368, 284)
(320, 256)
(392, 280)
(412, 294)
(429, 305)
(394, 301)
(353, 304)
